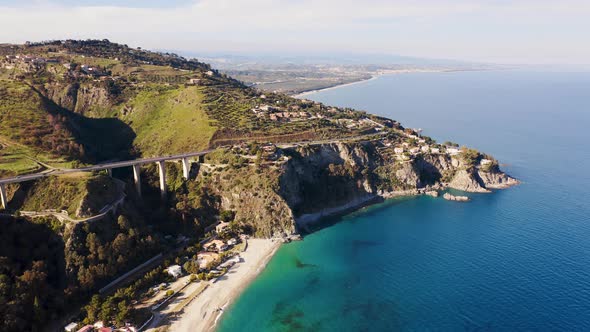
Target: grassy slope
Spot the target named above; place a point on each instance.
(66, 193)
(146, 105)
(26, 132)
(169, 121)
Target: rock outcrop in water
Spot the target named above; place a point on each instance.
(450, 197)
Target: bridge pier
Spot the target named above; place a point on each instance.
(110, 172)
(186, 168)
(3, 196)
(162, 171)
(137, 178)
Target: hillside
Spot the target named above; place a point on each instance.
(30, 127)
(154, 103)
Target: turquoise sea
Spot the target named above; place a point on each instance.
(513, 260)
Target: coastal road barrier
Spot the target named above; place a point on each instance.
(115, 282)
(143, 326)
(190, 298)
(175, 294)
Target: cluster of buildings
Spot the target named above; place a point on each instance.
(30, 59)
(414, 150)
(288, 115)
(25, 62)
(278, 114)
(213, 247)
(29, 62)
(416, 145)
(91, 70)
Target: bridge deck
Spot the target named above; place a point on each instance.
(103, 166)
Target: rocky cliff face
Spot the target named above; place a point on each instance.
(496, 180)
(252, 195)
(323, 179)
(87, 99)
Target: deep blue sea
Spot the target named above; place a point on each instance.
(513, 260)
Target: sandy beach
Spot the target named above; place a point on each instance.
(373, 77)
(202, 314)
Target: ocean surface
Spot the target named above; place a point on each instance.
(513, 260)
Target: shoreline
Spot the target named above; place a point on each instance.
(309, 92)
(374, 76)
(201, 313)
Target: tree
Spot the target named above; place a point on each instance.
(106, 310)
(124, 223)
(258, 161)
(38, 311)
(227, 215)
(93, 309)
(122, 312)
(120, 244)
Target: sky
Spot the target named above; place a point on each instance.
(496, 31)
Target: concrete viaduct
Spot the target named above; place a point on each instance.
(109, 166)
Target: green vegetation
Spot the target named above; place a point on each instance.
(169, 120)
(31, 127)
(98, 100)
(80, 194)
(470, 157)
(117, 308)
(387, 180)
(32, 275)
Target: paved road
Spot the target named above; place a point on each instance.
(98, 167)
(127, 163)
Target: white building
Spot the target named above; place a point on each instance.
(71, 327)
(453, 151)
(414, 150)
(425, 148)
(175, 271)
(485, 162)
(398, 150)
(435, 150)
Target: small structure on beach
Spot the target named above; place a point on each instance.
(215, 246)
(206, 258)
(221, 227)
(175, 271)
(71, 327)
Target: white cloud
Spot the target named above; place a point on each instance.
(407, 27)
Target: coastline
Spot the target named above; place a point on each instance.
(373, 77)
(309, 92)
(201, 313)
